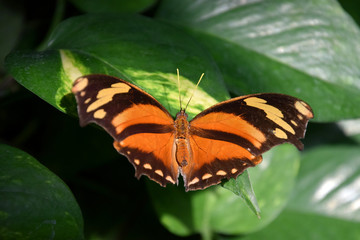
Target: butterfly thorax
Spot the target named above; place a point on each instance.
(182, 151)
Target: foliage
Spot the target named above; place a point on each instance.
(310, 50)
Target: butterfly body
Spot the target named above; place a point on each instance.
(220, 142)
(182, 145)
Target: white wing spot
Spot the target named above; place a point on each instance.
(147, 166)
(294, 123)
(272, 113)
(280, 133)
(99, 114)
(106, 95)
(170, 179)
(234, 170)
(303, 109)
(206, 176)
(221, 173)
(159, 172)
(137, 161)
(195, 180)
(81, 84)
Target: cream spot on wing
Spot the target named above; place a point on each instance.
(137, 161)
(170, 179)
(206, 176)
(195, 180)
(300, 117)
(272, 113)
(261, 104)
(82, 93)
(128, 153)
(106, 95)
(87, 100)
(280, 133)
(244, 164)
(81, 83)
(294, 123)
(234, 170)
(147, 166)
(159, 172)
(303, 109)
(99, 114)
(221, 173)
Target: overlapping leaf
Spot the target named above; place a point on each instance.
(306, 49)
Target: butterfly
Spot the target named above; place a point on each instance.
(220, 142)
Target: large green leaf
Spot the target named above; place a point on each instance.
(217, 210)
(307, 49)
(325, 203)
(131, 47)
(35, 203)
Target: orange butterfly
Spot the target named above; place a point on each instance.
(220, 142)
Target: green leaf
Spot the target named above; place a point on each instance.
(242, 187)
(329, 183)
(217, 210)
(131, 47)
(113, 6)
(310, 50)
(325, 201)
(35, 203)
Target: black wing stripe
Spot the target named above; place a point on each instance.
(143, 128)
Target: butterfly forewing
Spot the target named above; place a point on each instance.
(141, 127)
(230, 136)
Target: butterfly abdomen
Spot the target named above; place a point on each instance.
(183, 150)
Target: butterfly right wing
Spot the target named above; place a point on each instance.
(142, 128)
(230, 136)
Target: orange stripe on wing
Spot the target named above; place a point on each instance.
(206, 150)
(140, 114)
(230, 123)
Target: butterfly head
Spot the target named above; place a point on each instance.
(181, 114)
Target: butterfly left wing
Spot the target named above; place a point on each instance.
(231, 136)
(143, 130)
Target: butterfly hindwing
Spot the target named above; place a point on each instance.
(230, 136)
(142, 128)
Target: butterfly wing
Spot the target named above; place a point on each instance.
(231, 136)
(142, 128)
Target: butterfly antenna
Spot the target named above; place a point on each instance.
(194, 90)
(178, 78)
